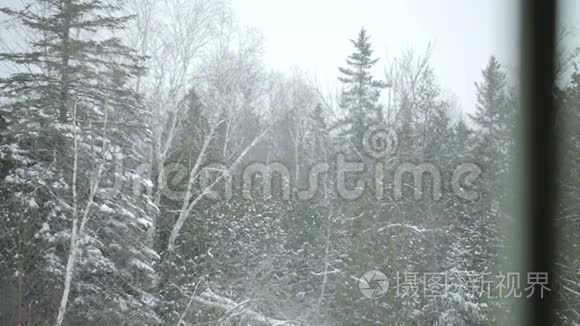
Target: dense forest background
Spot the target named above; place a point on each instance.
(154, 172)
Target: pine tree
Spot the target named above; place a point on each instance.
(492, 127)
(73, 143)
(492, 121)
(491, 149)
(360, 94)
(68, 57)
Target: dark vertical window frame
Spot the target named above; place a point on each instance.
(538, 30)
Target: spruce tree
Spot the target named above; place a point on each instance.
(493, 121)
(68, 57)
(361, 92)
(72, 118)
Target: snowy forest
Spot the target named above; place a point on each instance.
(154, 171)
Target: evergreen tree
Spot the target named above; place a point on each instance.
(491, 152)
(73, 143)
(493, 123)
(68, 57)
(360, 94)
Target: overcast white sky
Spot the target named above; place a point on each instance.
(314, 34)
